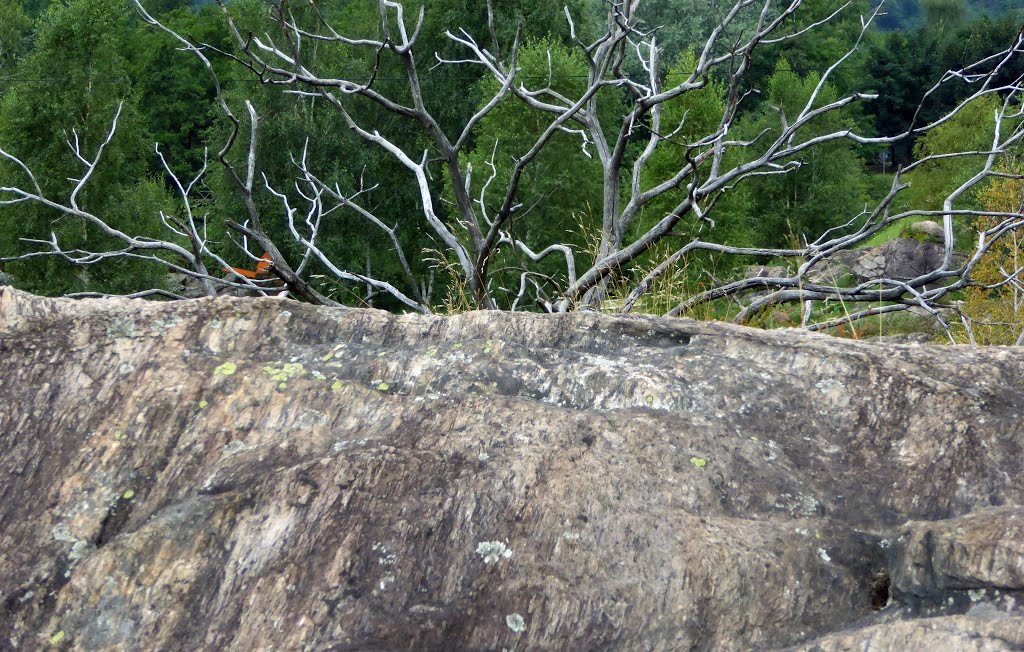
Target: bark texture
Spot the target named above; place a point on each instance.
(258, 474)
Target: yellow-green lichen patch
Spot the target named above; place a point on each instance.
(128, 495)
(650, 399)
(120, 436)
(203, 405)
(336, 387)
(58, 638)
(383, 387)
(226, 369)
(286, 372)
(489, 347)
(698, 462)
(382, 354)
(282, 386)
(457, 345)
(327, 357)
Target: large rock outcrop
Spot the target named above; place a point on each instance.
(259, 474)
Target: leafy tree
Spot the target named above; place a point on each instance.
(175, 94)
(80, 80)
(970, 131)
(902, 67)
(688, 119)
(995, 305)
(337, 115)
(562, 186)
(686, 24)
(944, 14)
(829, 185)
(14, 25)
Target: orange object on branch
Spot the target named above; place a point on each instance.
(262, 269)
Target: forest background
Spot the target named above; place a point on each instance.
(67, 65)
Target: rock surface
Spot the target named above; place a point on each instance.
(927, 229)
(899, 259)
(259, 474)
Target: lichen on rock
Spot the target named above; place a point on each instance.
(779, 489)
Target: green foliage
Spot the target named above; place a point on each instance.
(563, 185)
(14, 26)
(686, 24)
(81, 72)
(970, 130)
(695, 115)
(85, 57)
(174, 90)
(910, 14)
(902, 67)
(829, 187)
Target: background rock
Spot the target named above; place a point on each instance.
(899, 259)
(248, 474)
(930, 230)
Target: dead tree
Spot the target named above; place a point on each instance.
(476, 234)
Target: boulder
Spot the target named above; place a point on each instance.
(830, 271)
(928, 230)
(766, 271)
(899, 259)
(261, 474)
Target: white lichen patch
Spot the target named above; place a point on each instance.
(829, 385)
(345, 444)
(79, 547)
(310, 419)
(492, 551)
(824, 555)
(159, 325)
(516, 623)
(122, 328)
(235, 447)
(834, 391)
(808, 505)
(79, 551)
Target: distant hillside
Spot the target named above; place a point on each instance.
(907, 14)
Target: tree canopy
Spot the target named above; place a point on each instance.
(507, 154)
